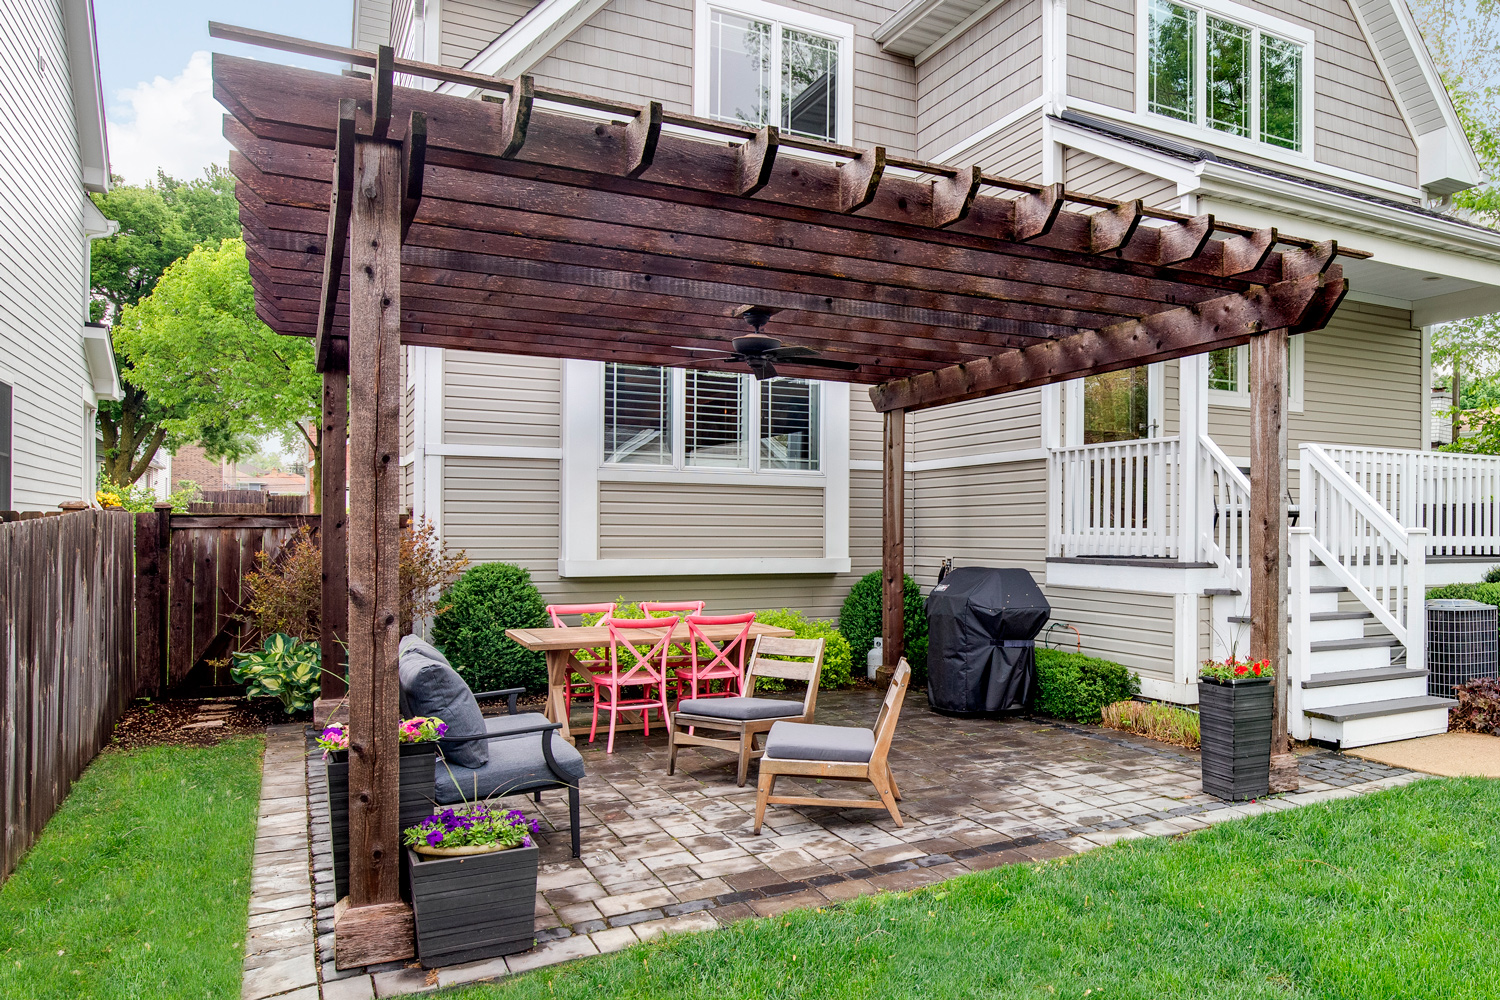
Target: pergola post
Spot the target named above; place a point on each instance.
(333, 529)
(1268, 535)
(377, 926)
(893, 544)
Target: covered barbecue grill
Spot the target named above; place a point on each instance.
(981, 654)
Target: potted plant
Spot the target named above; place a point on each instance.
(472, 869)
(419, 738)
(1235, 710)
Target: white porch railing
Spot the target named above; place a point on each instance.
(1225, 514)
(1382, 562)
(1455, 497)
(1118, 499)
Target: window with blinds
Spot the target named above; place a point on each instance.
(637, 415)
(715, 420)
(788, 424)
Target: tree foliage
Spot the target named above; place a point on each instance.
(213, 370)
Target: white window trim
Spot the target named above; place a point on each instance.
(1263, 24)
(841, 31)
(1296, 378)
(582, 469)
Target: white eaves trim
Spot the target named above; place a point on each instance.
(99, 352)
(88, 104)
(528, 41)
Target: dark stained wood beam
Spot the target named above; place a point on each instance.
(338, 230)
(893, 543)
(516, 117)
(413, 169)
(382, 84)
(333, 531)
(1112, 228)
(859, 179)
(754, 161)
(1221, 322)
(1312, 260)
(641, 137)
(953, 197)
(1034, 215)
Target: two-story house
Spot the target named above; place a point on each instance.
(55, 367)
(1124, 494)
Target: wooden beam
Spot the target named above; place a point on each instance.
(1036, 214)
(641, 137)
(859, 179)
(893, 544)
(413, 169)
(382, 83)
(517, 117)
(1182, 241)
(953, 197)
(1221, 322)
(379, 929)
(1266, 563)
(341, 200)
(754, 161)
(1313, 260)
(333, 531)
(1112, 228)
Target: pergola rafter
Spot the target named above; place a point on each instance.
(561, 225)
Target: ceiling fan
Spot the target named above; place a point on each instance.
(760, 352)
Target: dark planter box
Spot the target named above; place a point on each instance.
(1235, 727)
(418, 776)
(473, 907)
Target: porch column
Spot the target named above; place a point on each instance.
(377, 926)
(1192, 424)
(1267, 567)
(893, 544)
(333, 535)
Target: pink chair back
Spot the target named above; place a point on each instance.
(655, 608)
(556, 611)
(728, 658)
(648, 667)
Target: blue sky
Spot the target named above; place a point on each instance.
(158, 98)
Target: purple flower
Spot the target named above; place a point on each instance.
(526, 842)
(434, 838)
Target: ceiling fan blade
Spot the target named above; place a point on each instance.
(788, 353)
(845, 366)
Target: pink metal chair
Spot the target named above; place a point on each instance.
(677, 657)
(634, 669)
(578, 685)
(721, 662)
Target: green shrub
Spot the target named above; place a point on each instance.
(1076, 687)
(470, 630)
(859, 620)
(916, 658)
(285, 667)
(1493, 576)
(837, 662)
(1484, 593)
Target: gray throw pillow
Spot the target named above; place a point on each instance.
(429, 686)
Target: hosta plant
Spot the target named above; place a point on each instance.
(285, 667)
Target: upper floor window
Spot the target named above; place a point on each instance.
(760, 64)
(1223, 69)
(1229, 374)
(700, 419)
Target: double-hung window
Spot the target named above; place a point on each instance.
(760, 64)
(1221, 67)
(696, 419)
(1229, 375)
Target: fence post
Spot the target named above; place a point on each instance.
(152, 532)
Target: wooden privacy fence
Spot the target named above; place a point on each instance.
(67, 669)
(248, 502)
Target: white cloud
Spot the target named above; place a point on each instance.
(175, 125)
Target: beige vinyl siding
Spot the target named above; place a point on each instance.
(372, 23)
(981, 76)
(984, 515)
(501, 399)
(866, 427)
(1089, 174)
(635, 50)
(1401, 62)
(691, 521)
(1015, 151)
(1008, 422)
(1362, 384)
(1134, 629)
(470, 25)
(1101, 52)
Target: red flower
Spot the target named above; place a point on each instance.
(1257, 670)
(1241, 670)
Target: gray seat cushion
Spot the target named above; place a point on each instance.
(429, 686)
(516, 764)
(740, 709)
(800, 741)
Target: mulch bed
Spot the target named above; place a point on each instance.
(164, 723)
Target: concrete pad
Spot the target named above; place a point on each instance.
(1451, 755)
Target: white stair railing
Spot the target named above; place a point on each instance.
(1381, 562)
(1455, 497)
(1224, 515)
(1118, 498)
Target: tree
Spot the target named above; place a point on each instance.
(213, 370)
(159, 225)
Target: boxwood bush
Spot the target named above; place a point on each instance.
(1076, 688)
(859, 621)
(837, 663)
(477, 609)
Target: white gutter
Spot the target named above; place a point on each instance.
(528, 41)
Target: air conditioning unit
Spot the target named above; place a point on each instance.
(1462, 644)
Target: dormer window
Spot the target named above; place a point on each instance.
(1227, 69)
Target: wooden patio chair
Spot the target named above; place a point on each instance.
(838, 753)
(748, 716)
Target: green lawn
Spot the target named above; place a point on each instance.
(139, 886)
(1390, 895)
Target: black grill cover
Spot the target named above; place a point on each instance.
(980, 655)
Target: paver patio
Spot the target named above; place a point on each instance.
(663, 854)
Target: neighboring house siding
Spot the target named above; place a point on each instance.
(372, 23)
(1101, 52)
(43, 263)
(1089, 174)
(470, 25)
(983, 75)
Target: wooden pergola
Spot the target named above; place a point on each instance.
(547, 223)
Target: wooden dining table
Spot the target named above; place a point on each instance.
(562, 646)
